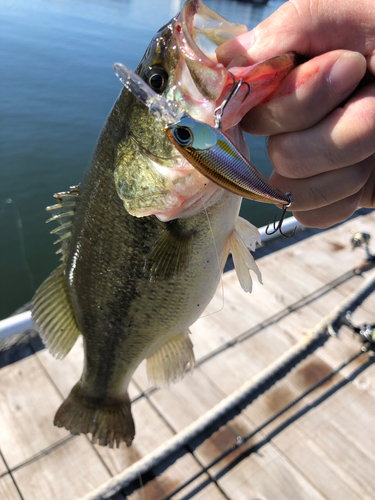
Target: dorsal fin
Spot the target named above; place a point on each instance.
(63, 212)
(51, 309)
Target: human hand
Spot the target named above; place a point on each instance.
(320, 122)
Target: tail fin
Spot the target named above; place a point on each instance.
(108, 423)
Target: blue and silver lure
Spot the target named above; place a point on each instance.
(206, 147)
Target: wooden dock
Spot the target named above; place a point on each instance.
(323, 447)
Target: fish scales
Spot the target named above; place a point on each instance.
(123, 316)
(144, 239)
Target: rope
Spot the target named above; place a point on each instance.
(317, 334)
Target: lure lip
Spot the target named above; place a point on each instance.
(158, 106)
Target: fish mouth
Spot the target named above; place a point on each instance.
(158, 180)
(200, 80)
(205, 30)
(151, 177)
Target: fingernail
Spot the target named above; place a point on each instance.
(347, 72)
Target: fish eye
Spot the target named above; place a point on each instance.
(157, 78)
(183, 136)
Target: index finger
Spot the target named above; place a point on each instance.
(310, 28)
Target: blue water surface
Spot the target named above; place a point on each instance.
(57, 87)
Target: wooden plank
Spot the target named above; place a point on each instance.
(285, 391)
(266, 474)
(351, 286)
(355, 421)
(180, 407)
(347, 413)
(28, 403)
(313, 370)
(222, 440)
(167, 482)
(240, 312)
(234, 366)
(67, 472)
(365, 381)
(201, 489)
(151, 432)
(320, 256)
(277, 399)
(325, 256)
(337, 349)
(182, 403)
(8, 491)
(3, 468)
(344, 406)
(343, 416)
(330, 461)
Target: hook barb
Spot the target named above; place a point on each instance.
(277, 226)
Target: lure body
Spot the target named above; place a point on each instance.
(216, 157)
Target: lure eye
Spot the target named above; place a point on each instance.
(183, 136)
(157, 78)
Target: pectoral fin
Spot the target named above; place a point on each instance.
(168, 364)
(244, 236)
(53, 316)
(170, 253)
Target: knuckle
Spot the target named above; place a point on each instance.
(282, 154)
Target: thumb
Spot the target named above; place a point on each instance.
(308, 27)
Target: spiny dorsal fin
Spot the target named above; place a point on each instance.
(53, 315)
(170, 253)
(63, 212)
(168, 364)
(244, 236)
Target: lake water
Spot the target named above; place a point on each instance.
(57, 87)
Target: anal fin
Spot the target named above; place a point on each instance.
(169, 363)
(53, 316)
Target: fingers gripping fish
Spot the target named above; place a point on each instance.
(138, 263)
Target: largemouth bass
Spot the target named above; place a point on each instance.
(145, 236)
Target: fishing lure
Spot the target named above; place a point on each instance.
(206, 147)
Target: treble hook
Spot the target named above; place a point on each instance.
(218, 113)
(279, 224)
